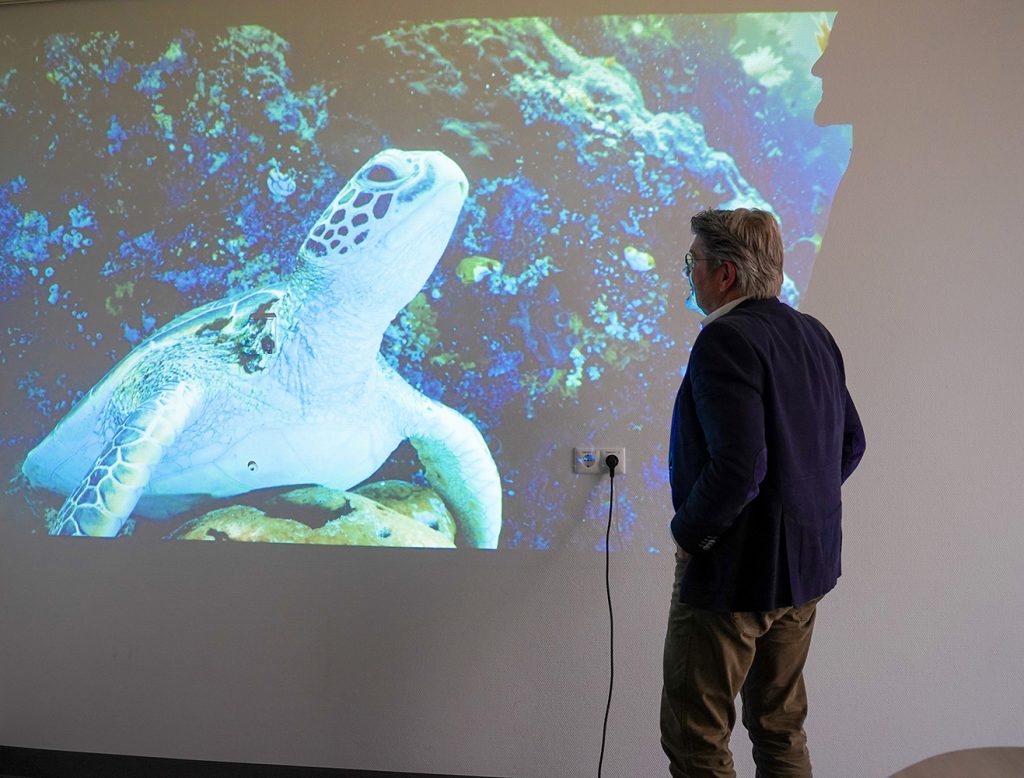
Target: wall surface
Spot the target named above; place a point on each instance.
(918, 280)
(495, 663)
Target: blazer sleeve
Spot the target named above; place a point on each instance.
(727, 376)
(853, 439)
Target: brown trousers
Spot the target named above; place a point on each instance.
(709, 659)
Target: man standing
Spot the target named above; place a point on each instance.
(763, 435)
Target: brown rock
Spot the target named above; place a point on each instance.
(323, 516)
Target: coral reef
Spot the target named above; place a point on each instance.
(144, 180)
(389, 514)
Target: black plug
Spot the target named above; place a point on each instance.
(613, 462)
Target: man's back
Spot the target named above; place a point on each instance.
(763, 437)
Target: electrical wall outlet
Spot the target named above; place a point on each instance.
(586, 460)
(592, 460)
(620, 469)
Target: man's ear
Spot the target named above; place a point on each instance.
(728, 277)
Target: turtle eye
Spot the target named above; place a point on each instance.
(381, 174)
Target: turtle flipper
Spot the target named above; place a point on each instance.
(107, 496)
(460, 468)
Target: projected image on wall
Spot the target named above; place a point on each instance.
(258, 291)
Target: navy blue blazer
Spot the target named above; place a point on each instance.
(763, 435)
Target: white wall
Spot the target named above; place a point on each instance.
(495, 664)
(919, 279)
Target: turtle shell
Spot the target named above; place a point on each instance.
(236, 337)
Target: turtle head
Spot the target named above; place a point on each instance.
(389, 225)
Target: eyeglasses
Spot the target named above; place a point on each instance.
(689, 261)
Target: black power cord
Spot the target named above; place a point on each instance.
(613, 462)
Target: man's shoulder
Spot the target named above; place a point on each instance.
(732, 337)
(752, 308)
(755, 313)
(750, 314)
(757, 324)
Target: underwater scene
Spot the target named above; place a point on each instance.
(373, 293)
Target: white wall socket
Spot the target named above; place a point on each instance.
(591, 459)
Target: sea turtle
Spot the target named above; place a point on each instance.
(283, 385)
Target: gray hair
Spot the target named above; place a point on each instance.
(751, 240)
